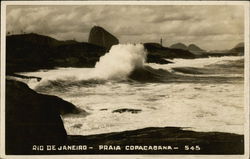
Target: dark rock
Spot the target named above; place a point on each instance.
(33, 118)
(62, 106)
(101, 37)
(26, 77)
(104, 109)
(157, 59)
(159, 51)
(133, 111)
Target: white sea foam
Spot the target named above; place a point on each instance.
(120, 61)
(213, 104)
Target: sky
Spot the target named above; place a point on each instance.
(211, 27)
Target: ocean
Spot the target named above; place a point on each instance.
(122, 92)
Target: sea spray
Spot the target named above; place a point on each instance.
(117, 64)
(120, 61)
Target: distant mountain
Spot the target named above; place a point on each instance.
(179, 46)
(195, 48)
(238, 49)
(239, 45)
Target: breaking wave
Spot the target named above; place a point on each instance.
(120, 62)
(116, 65)
(126, 63)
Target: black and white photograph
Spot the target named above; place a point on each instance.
(124, 78)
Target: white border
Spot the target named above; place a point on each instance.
(2, 110)
(246, 5)
(125, 3)
(247, 79)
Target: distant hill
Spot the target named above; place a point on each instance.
(179, 46)
(239, 45)
(28, 52)
(195, 48)
(238, 49)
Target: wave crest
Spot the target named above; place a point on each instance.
(120, 61)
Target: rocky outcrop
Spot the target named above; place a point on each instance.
(155, 49)
(33, 118)
(101, 37)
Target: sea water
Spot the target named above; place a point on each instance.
(204, 94)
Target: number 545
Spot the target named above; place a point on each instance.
(192, 148)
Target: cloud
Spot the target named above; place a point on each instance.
(134, 23)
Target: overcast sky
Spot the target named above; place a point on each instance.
(210, 27)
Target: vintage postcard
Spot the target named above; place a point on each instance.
(130, 79)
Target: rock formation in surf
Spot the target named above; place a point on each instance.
(101, 37)
(33, 118)
(156, 50)
(123, 110)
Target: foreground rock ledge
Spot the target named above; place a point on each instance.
(33, 118)
(209, 142)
